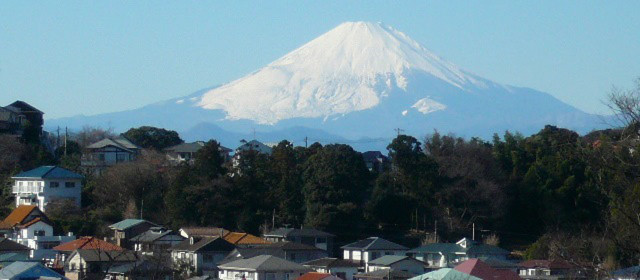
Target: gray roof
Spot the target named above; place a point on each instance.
(448, 248)
(105, 256)
(331, 262)
(374, 243)
(7, 245)
(120, 142)
(154, 234)
(304, 232)
(127, 223)
(278, 249)
(265, 263)
(204, 244)
(193, 147)
(390, 259)
(255, 145)
(28, 269)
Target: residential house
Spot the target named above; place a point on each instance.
(126, 229)
(200, 255)
(319, 239)
(95, 264)
(317, 276)
(254, 145)
(188, 232)
(28, 270)
(263, 267)
(549, 269)
(11, 251)
(343, 269)
(156, 241)
(438, 255)
(47, 185)
(29, 226)
(108, 152)
(244, 239)
(403, 263)
(385, 274)
(375, 161)
(371, 248)
(185, 152)
(445, 274)
(83, 243)
(15, 117)
(294, 252)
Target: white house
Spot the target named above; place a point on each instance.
(438, 255)
(200, 255)
(45, 185)
(27, 225)
(401, 263)
(185, 152)
(370, 249)
(263, 267)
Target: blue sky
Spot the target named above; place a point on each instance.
(89, 57)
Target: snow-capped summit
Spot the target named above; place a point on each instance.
(350, 68)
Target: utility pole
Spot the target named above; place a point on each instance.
(58, 138)
(66, 135)
(306, 142)
(473, 235)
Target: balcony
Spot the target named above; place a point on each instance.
(27, 189)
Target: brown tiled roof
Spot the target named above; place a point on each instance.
(204, 231)
(17, 216)
(87, 243)
(38, 219)
(313, 276)
(241, 238)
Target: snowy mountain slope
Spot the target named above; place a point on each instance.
(359, 80)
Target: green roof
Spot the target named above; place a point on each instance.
(389, 260)
(49, 172)
(125, 224)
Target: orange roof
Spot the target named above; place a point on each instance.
(87, 243)
(313, 276)
(38, 219)
(17, 216)
(236, 238)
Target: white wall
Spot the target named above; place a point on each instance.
(29, 232)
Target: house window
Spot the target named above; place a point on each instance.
(39, 233)
(374, 255)
(69, 184)
(54, 184)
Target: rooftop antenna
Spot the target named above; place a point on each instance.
(398, 131)
(473, 234)
(254, 133)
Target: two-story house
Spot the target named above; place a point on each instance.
(403, 263)
(319, 239)
(549, 269)
(107, 152)
(156, 241)
(16, 116)
(343, 269)
(438, 255)
(27, 225)
(47, 184)
(125, 230)
(294, 252)
(200, 255)
(371, 248)
(263, 267)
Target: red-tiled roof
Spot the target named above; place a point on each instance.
(244, 239)
(478, 268)
(28, 224)
(87, 243)
(17, 216)
(313, 276)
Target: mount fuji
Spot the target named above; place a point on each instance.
(354, 84)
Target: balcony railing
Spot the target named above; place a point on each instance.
(28, 189)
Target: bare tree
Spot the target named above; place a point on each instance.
(625, 104)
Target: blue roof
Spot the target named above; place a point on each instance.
(127, 223)
(49, 172)
(27, 270)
